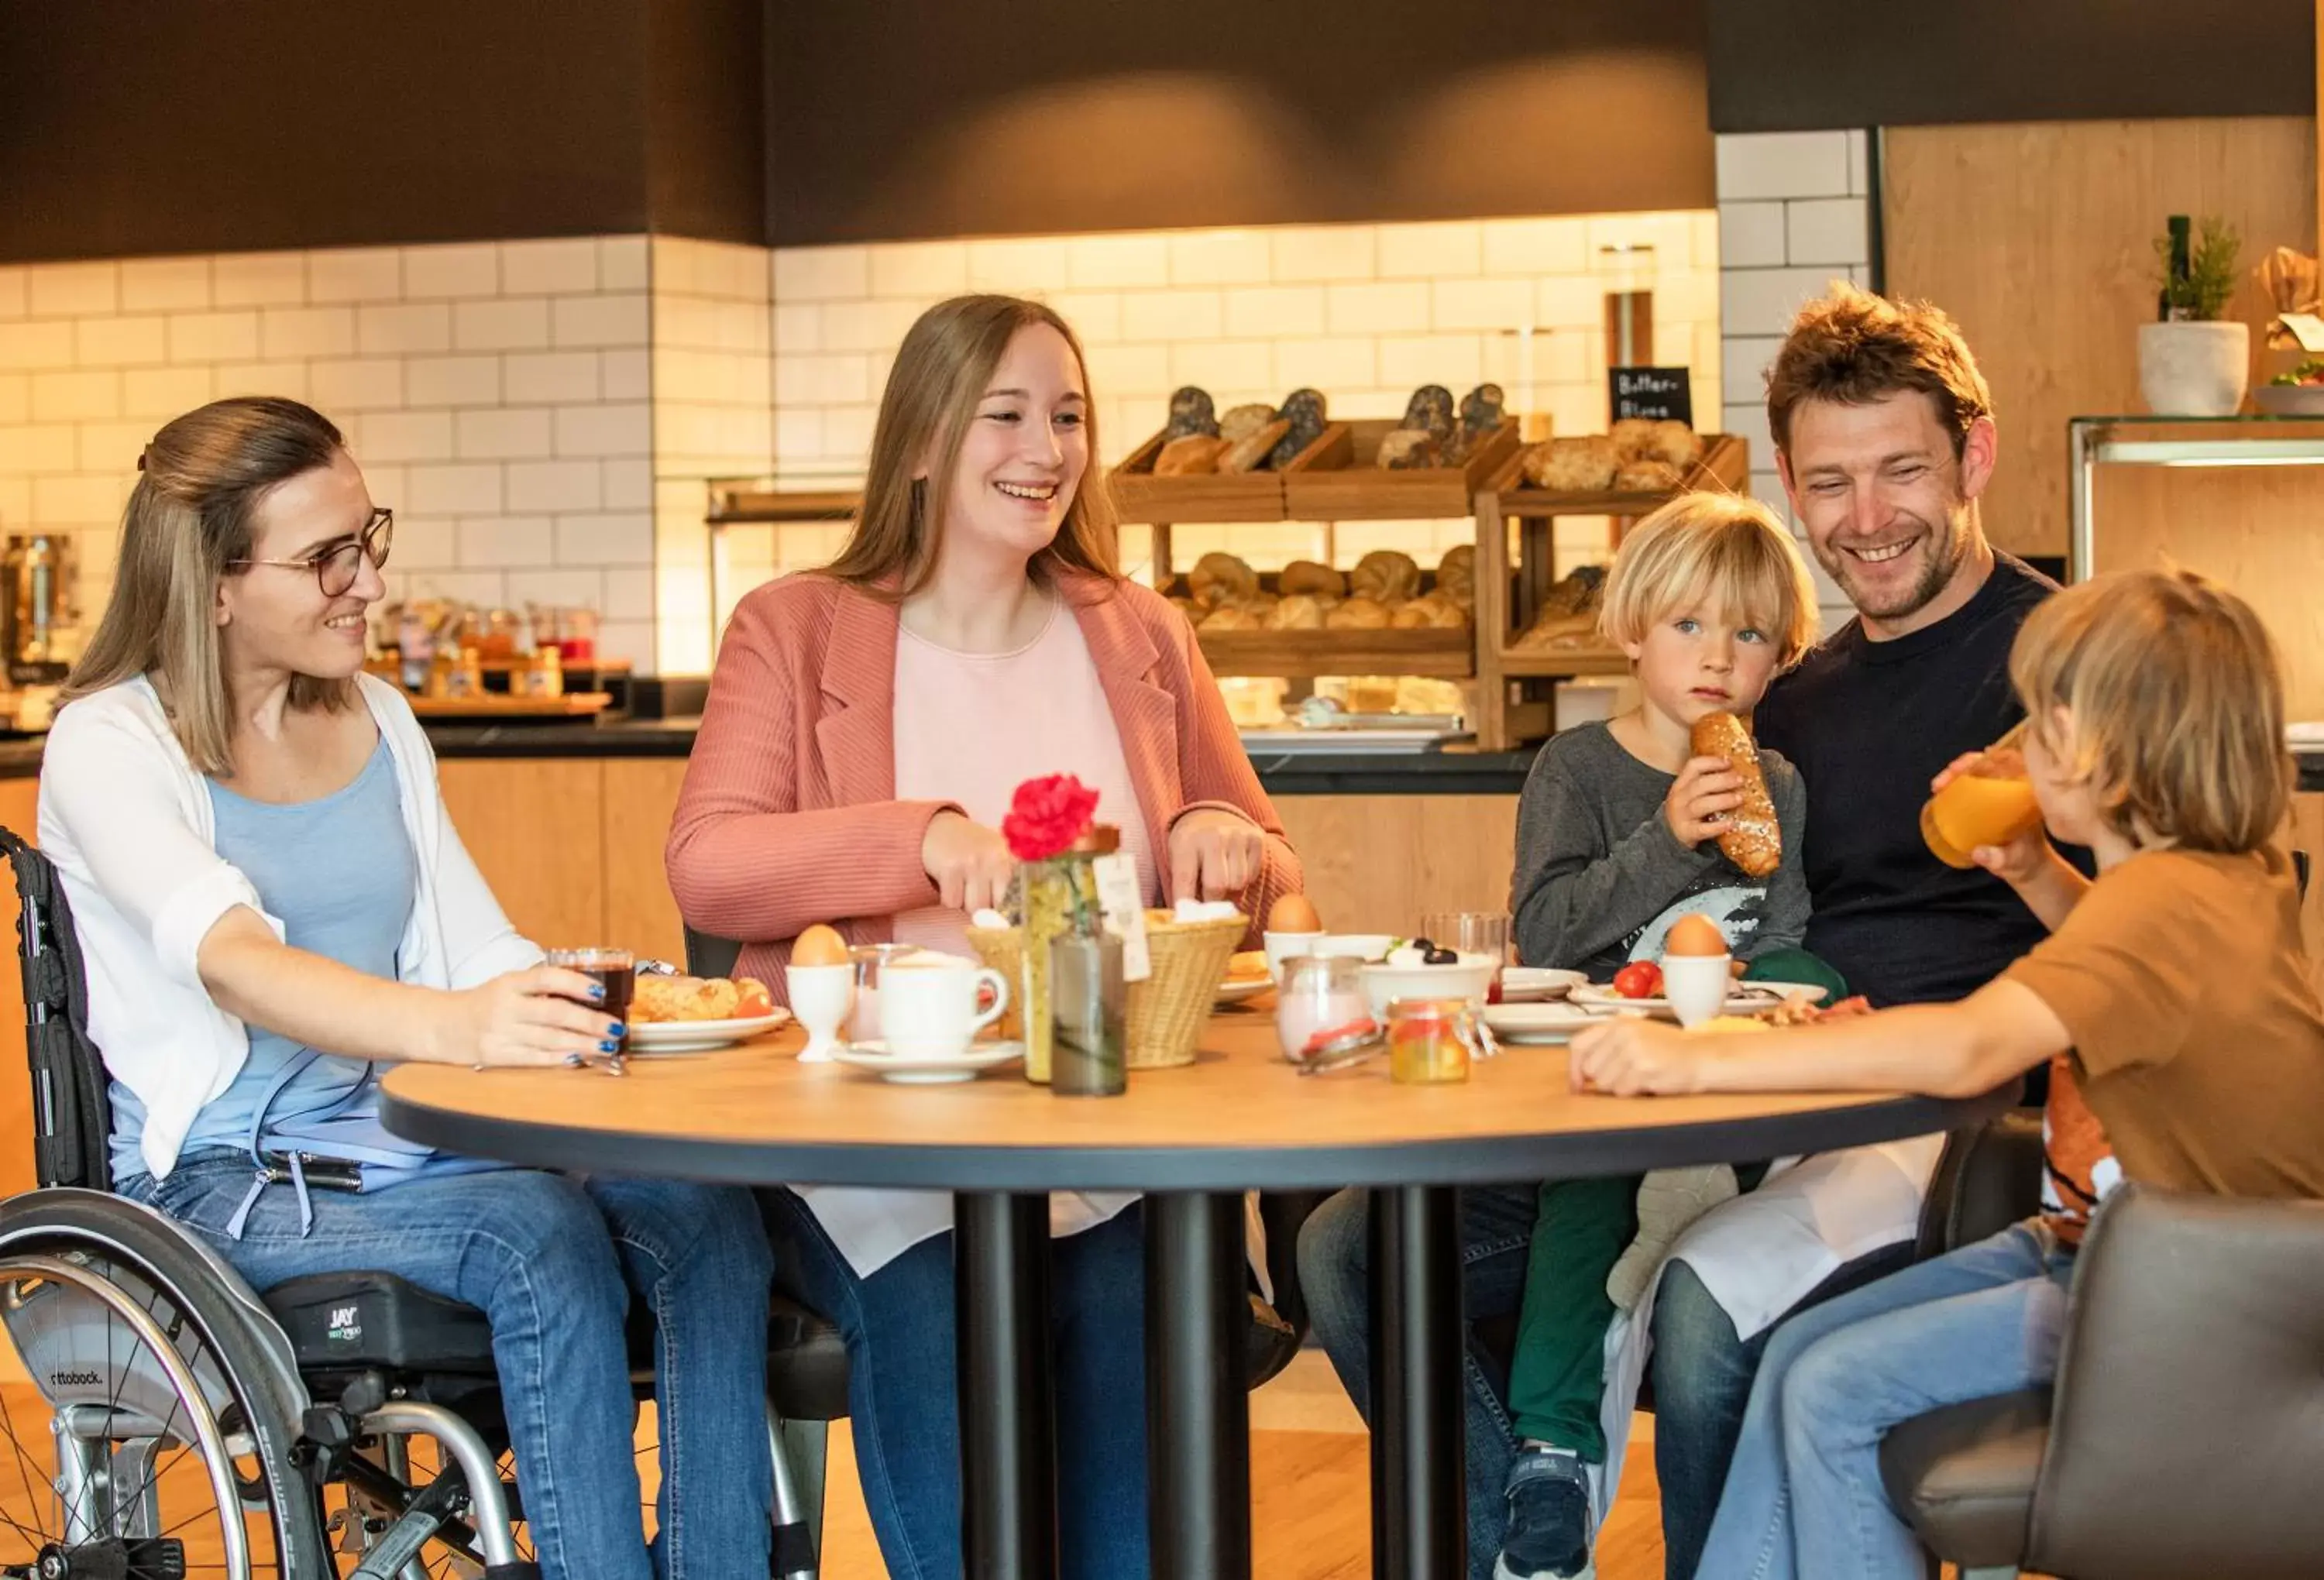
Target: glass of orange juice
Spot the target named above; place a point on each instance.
(1990, 801)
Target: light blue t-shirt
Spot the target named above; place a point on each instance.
(339, 874)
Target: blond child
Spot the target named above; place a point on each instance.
(2171, 1000)
(1616, 839)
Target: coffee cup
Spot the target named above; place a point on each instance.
(1696, 986)
(928, 1004)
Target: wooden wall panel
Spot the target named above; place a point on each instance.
(535, 828)
(640, 795)
(1377, 863)
(2038, 238)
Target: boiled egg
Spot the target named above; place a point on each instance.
(1294, 914)
(1694, 934)
(820, 946)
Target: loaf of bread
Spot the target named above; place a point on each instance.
(1242, 421)
(1674, 444)
(1633, 438)
(1557, 633)
(1647, 477)
(1358, 614)
(1404, 449)
(1386, 574)
(1585, 464)
(1750, 837)
(1456, 575)
(1296, 611)
(1250, 450)
(1232, 618)
(1187, 457)
(1309, 576)
(1218, 577)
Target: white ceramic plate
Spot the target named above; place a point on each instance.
(1523, 1024)
(1531, 984)
(906, 1070)
(1748, 998)
(1235, 990)
(700, 1036)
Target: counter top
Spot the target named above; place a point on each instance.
(1456, 772)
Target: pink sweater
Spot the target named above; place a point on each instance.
(789, 812)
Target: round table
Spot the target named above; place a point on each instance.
(1195, 1138)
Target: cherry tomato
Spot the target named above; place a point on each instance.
(1639, 980)
(754, 1003)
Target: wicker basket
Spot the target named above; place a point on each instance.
(1168, 1010)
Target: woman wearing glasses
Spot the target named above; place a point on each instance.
(272, 905)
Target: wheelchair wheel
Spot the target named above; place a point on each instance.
(149, 1428)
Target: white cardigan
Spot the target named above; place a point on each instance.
(127, 819)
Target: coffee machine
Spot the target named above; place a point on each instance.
(35, 607)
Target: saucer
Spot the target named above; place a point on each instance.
(922, 1069)
(1533, 984)
(700, 1036)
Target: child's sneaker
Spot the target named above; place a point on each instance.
(1668, 1200)
(1548, 1534)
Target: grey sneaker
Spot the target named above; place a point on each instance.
(1548, 1534)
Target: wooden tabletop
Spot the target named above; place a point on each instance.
(1239, 1117)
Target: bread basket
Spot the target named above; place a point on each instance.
(1168, 1009)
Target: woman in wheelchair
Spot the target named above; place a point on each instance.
(272, 905)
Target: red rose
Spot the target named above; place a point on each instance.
(1047, 815)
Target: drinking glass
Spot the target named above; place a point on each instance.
(615, 970)
(1989, 803)
(1484, 933)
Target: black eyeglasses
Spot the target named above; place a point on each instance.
(336, 567)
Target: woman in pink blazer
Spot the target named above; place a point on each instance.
(865, 727)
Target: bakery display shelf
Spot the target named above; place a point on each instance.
(1338, 478)
(572, 705)
(389, 665)
(1440, 653)
(1725, 465)
(736, 502)
(1562, 662)
(1141, 497)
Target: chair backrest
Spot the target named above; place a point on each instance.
(71, 1119)
(1987, 1179)
(710, 957)
(2183, 1439)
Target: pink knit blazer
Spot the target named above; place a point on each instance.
(789, 817)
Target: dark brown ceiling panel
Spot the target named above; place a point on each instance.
(1799, 65)
(929, 118)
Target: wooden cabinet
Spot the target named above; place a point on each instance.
(1378, 863)
(641, 794)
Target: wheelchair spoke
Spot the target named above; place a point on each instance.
(34, 1503)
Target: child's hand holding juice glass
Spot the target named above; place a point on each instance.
(1983, 799)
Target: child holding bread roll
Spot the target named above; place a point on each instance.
(1624, 826)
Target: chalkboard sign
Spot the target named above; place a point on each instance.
(1650, 393)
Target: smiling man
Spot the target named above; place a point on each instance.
(1885, 437)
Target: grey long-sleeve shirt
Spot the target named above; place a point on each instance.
(1600, 878)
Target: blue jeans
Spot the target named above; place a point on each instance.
(1805, 1495)
(551, 1262)
(1700, 1370)
(903, 1394)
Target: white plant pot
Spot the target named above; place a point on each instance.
(2193, 369)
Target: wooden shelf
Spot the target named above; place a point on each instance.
(1563, 663)
(1725, 466)
(572, 705)
(1338, 478)
(1439, 653)
(741, 504)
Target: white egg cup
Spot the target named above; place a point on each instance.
(1697, 986)
(821, 997)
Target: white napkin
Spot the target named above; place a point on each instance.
(1204, 910)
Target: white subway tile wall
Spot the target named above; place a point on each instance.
(1795, 214)
(492, 390)
(1363, 312)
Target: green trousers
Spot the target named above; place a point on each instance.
(1557, 1377)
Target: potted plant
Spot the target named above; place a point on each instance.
(2191, 363)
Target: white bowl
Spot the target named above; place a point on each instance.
(1361, 946)
(1472, 979)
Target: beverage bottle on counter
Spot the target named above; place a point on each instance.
(2181, 268)
(415, 646)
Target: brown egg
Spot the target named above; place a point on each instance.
(1694, 934)
(1294, 914)
(820, 946)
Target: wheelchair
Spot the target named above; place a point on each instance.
(344, 1425)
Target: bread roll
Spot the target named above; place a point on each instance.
(1456, 575)
(1386, 574)
(1296, 611)
(1558, 633)
(1242, 421)
(1193, 610)
(1646, 477)
(1308, 576)
(1358, 614)
(1232, 618)
(1412, 616)
(1217, 577)
(1675, 443)
(1585, 464)
(1445, 614)
(1633, 438)
(1195, 453)
(1404, 449)
(1749, 837)
(1250, 450)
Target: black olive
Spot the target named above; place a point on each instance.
(1441, 956)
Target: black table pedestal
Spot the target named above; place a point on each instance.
(1007, 1418)
(1419, 1465)
(1197, 1409)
